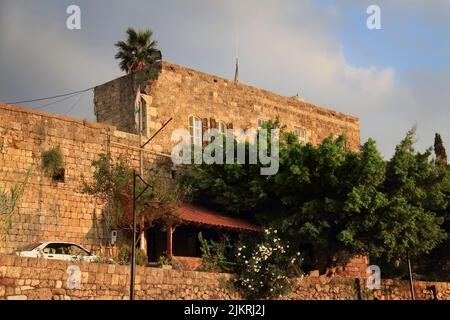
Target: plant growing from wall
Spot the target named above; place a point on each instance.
(227, 285)
(53, 164)
(215, 255)
(9, 201)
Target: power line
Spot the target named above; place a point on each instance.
(53, 97)
(54, 102)
(73, 106)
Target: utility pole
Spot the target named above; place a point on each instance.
(141, 173)
(411, 283)
(135, 198)
(133, 246)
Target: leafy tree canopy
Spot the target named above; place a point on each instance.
(333, 199)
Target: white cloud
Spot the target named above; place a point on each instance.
(285, 47)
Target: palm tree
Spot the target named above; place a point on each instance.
(138, 52)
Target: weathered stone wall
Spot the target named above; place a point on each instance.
(57, 211)
(180, 92)
(60, 211)
(27, 278)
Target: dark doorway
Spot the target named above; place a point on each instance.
(185, 241)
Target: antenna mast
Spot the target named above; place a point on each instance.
(236, 72)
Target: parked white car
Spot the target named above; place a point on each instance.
(57, 251)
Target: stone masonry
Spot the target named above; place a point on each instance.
(58, 211)
(181, 92)
(40, 279)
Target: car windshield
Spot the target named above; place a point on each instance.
(29, 247)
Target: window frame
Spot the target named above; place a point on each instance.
(301, 138)
(196, 133)
(225, 127)
(261, 123)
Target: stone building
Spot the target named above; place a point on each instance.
(196, 100)
(59, 210)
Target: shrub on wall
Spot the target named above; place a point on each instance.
(53, 164)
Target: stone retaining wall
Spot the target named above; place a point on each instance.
(59, 211)
(27, 278)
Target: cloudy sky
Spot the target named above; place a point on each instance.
(391, 78)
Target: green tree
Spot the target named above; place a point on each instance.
(414, 185)
(439, 148)
(138, 52)
(333, 200)
(113, 184)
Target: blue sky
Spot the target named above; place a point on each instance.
(391, 78)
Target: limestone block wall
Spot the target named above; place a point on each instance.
(58, 211)
(40, 279)
(180, 92)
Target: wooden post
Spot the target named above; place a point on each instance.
(170, 242)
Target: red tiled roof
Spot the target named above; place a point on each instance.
(197, 215)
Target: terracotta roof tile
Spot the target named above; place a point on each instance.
(197, 215)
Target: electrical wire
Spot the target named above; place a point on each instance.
(73, 105)
(54, 102)
(52, 97)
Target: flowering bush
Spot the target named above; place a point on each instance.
(263, 268)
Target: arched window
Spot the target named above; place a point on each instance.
(195, 130)
(222, 127)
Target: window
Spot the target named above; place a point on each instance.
(195, 130)
(144, 117)
(74, 250)
(54, 248)
(222, 127)
(261, 123)
(301, 134)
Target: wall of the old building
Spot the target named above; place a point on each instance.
(57, 211)
(180, 92)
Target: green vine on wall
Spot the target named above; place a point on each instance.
(9, 201)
